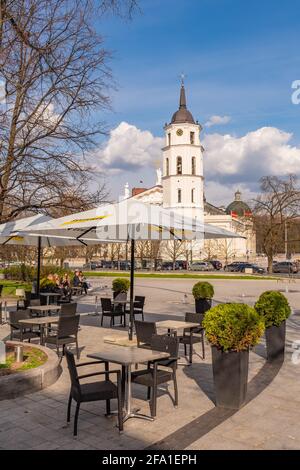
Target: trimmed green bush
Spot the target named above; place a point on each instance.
(203, 290)
(120, 284)
(233, 327)
(273, 307)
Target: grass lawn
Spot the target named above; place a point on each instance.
(9, 287)
(177, 276)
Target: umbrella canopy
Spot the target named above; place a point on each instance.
(12, 233)
(129, 220)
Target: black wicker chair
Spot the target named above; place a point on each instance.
(158, 373)
(144, 332)
(68, 309)
(109, 311)
(19, 331)
(66, 333)
(93, 391)
(193, 335)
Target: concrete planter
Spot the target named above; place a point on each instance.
(275, 341)
(33, 380)
(202, 305)
(230, 371)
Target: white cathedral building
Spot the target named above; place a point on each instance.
(180, 186)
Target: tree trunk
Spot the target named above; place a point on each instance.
(270, 264)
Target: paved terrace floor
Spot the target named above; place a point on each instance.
(269, 420)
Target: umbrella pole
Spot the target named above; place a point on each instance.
(39, 266)
(131, 289)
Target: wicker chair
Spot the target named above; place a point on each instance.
(66, 333)
(144, 332)
(109, 311)
(193, 335)
(93, 391)
(19, 331)
(155, 375)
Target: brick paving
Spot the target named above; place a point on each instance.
(271, 418)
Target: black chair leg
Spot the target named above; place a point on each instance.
(111, 321)
(191, 352)
(102, 320)
(154, 400)
(69, 409)
(203, 347)
(107, 407)
(148, 393)
(76, 418)
(185, 349)
(175, 389)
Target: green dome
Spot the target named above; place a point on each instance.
(238, 207)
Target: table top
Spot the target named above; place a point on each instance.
(176, 324)
(127, 356)
(39, 320)
(44, 308)
(50, 294)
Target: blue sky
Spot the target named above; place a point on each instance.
(240, 59)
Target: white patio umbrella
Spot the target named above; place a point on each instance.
(12, 233)
(129, 220)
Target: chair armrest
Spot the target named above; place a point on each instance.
(100, 373)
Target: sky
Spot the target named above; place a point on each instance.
(240, 60)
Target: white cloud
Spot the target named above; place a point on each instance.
(266, 151)
(128, 148)
(217, 120)
(220, 194)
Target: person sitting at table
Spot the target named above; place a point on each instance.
(83, 282)
(65, 283)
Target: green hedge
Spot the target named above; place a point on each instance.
(273, 307)
(28, 273)
(233, 327)
(203, 290)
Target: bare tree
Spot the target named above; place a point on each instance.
(56, 75)
(174, 249)
(277, 205)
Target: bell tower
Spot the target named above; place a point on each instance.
(183, 163)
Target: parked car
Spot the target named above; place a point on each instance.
(168, 265)
(182, 264)
(288, 267)
(255, 268)
(232, 267)
(92, 265)
(201, 266)
(216, 264)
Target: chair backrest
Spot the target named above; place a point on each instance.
(144, 331)
(68, 325)
(35, 302)
(194, 317)
(14, 317)
(68, 309)
(106, 304)
(165, 343)
(120, 295)
(139, 301)
(72, 370)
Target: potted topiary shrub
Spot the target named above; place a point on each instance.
(274, 309)
(232, 329)
(203, 292)
(120, 288)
